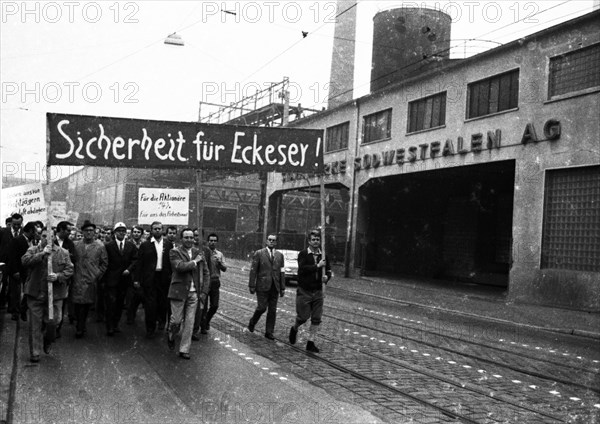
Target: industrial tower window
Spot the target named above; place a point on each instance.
(571, 228)
(336, 137)
(429, 112)
(494, 94)
(377, 126)
(219, 219)
(574, 71)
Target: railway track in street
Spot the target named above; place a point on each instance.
(550, 369)
(477, 398)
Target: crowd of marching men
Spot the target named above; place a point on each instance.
(110, 270)
(172, 275)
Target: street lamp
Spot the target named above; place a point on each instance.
(174, 40)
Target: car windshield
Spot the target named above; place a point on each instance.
(290, 254)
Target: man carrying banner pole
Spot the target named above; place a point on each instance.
(314, 272)
(45, 291)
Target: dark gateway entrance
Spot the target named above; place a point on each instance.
(453, 223)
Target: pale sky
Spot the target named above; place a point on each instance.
(109, 59)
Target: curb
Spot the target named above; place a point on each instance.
(574, 332)
(9, 367)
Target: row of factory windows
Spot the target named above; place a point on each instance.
(568, 73)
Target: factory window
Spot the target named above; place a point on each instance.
(222, 219)
(571, 228)
(495, 94)
(337, 137)
(377, 126)
(429, 112)
(574, 71)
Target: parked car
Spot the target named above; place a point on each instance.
(290, 265)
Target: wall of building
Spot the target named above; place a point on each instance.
(419, 152)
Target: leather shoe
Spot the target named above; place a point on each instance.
(47, 347)
(34, 358)
(195, 338)
(310, 347)
(170, 343)
(23, 315)
(14, 317)
(251, 326)
(293, 334)
(184, 355)
(203, 331)
(110, 333)
(270, 336)
(78, 334)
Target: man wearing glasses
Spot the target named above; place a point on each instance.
(267, 280)
(310, 296)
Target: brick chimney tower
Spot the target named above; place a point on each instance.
(341, 78)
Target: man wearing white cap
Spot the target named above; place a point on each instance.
(122, 257)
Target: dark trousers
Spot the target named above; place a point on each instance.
(134, 298)
(204, 315)
(100, 309)
(212, 305)
(267, 301)
(114, 299)
(4, 288)
(81, 313)
(155, 308)
(14, 295)
(163, 306)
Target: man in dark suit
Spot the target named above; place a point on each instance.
(17, 272)
(122, 258)
(7, 234)
(153, 275)
(311, 289)
(267, 280)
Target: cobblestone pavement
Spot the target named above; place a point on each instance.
(412, 360)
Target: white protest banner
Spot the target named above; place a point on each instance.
(169, 206)
(27, 200)
(135, 143)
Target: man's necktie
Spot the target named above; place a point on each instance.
(121, 247)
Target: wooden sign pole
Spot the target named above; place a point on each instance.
(49, 237)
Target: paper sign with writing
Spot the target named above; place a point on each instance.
(103, 141)
(169, 206)
(27, 200)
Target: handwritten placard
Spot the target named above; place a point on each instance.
(169, 206)
(27, 200)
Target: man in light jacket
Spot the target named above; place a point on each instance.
(91, 262)
(35, 260)
(188, 290)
